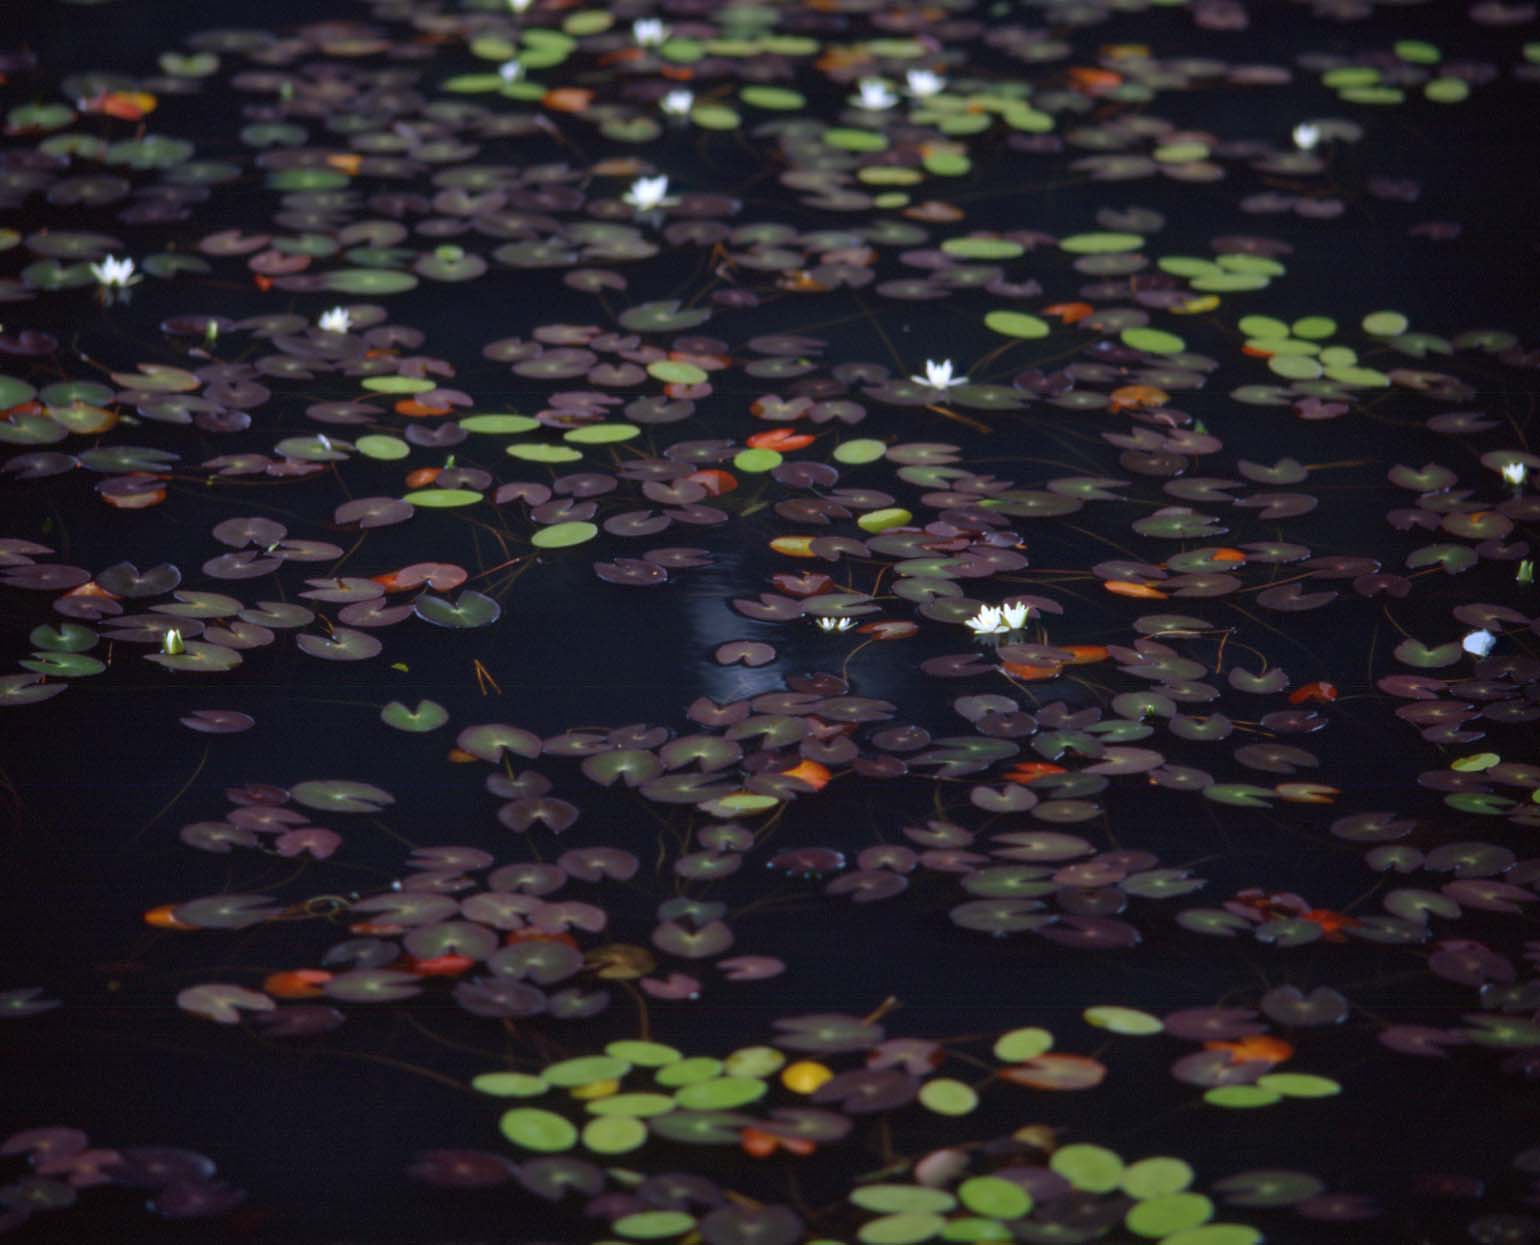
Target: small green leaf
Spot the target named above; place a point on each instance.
(563, 535)
(499, 423)
(756, 461)
(862, 450)
(601, 434)
(382, 448)
(509, 1085)
(535, 1129)
(1241, 1097)
(443, 498)
(428, 716)
(1016, 324)
(945, 1096)
(1021, 1044)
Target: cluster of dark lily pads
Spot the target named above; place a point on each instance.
(963, 587)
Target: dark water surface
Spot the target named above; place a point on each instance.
(1304, 897)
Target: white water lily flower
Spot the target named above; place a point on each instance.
(875, 94)
(335, 320)
(1306, 135)
(647, 193)
(835, 624)
(649, 31)
(939, 375)
(171, 643)
(511, 70)
(1015, 614)
(115, 272)
(519, 6)
(1478, 643)
(988, 621)
(1515, 474)
(677, 103)
(924, 83)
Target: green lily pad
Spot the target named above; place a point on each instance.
(721, 1093)
(904, 1228)
(973, 1228)
(643, 1054)
(1241, 1097)
(382, 448)
(1125, 1020)
(428, 716)
(38, 117)
(673, 372)
(1447, 90)
(715, 117)
(846, 139)
(1385, 323)
(504, 423)
(535, 1129)
(1415, 653)
(1240, 794)
(897, 1198)
(374, 281)
(13, 392)
(614, 1134)
(509, 1085)
(760, 1061)
(68, 637)
(876, 521)
(397, 384)
(663, 317)
(60, 393)
(1172, 1212)
(469, 609)
(639, 1105)
(301, 180)
(982, 248)
(1156, 1177)
(442, 498)
(1100, 243)
(340, 795)
(946, 1096)
(945, 163)
(1022, 1044)
(545, 453)
(995, 1197)
(652, 1225)
(1016, 324)
(861, 450)
(1299, 1085)
(315, 449)
(563, 535)
(1478, 803)
(690, 1071)
(62, 665)
(774, 98)
(1092, 1169)
(585, 1070)
(602, 434)
(1154, 341)
(757, 462)
(1451, 557)
(1215, 1234)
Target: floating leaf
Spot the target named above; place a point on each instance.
(533, 1128)
(429, 715)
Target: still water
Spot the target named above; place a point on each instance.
(768, 623)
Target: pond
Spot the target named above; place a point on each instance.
(862, 621)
